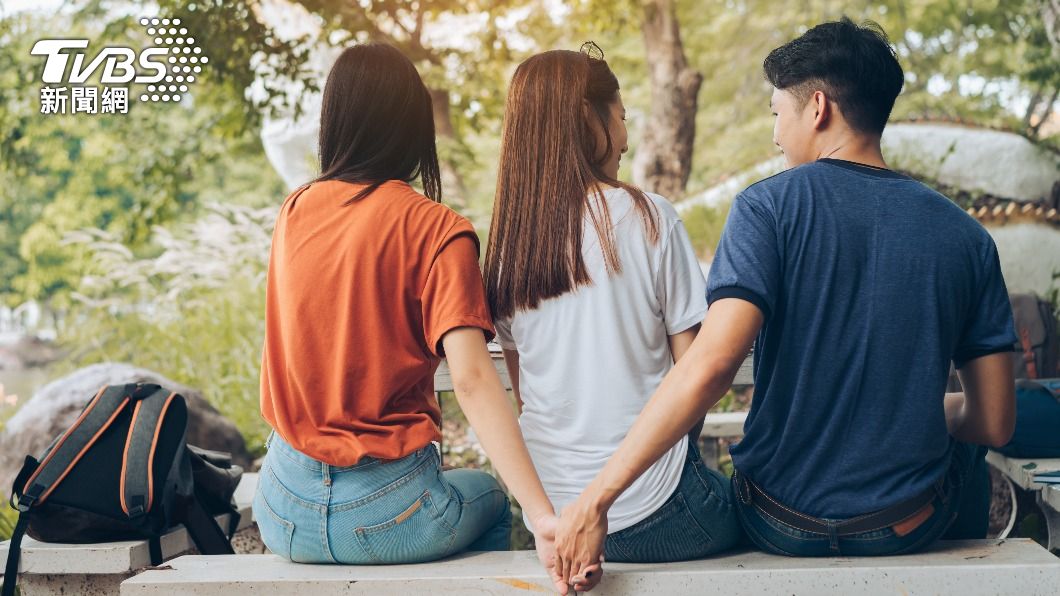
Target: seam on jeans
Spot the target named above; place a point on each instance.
(688, 511)
(275, 516)
(616, 543)
(485, 494)
(282, 450)
(389, 488)
(324, 518)
(753, 533)
(286, 493)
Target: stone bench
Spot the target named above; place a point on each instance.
(1028, 494)
(966, 567)
(52, 568)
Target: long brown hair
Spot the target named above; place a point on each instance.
(550, 165)
(377, 122)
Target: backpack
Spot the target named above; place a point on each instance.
(123, 471)
(1037, 345)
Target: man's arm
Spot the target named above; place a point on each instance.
(697, 381)
(985, 414)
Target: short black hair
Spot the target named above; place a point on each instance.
(853, 64)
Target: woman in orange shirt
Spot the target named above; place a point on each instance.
(370, 284)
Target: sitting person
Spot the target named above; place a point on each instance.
(858, 287)
(370, 284)
(595, 292)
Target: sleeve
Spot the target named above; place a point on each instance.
(504, 333)
(747, 264)
(454, 295)
(679, 283)
(988, 327)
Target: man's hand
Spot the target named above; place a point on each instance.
(580, 544)
(545, 543)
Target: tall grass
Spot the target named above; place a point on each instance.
(192, 311)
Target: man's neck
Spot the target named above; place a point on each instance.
(854, 148)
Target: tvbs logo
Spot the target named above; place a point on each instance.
(166, 69)
(119, 64)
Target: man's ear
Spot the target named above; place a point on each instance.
(822, 107)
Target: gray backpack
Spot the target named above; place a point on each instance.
(123, 471)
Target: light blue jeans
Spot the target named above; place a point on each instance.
(377, 511)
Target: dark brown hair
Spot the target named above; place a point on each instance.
(377, 122)
(549, 166)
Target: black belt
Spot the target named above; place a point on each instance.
(749, 493)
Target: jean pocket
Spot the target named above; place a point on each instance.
(417, 534)
(672, 533)
(276, 532)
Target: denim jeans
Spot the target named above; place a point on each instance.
(961, 512)
(696, 521)
(378, 511)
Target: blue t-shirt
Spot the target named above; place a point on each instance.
(871, 284)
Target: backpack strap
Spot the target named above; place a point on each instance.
(14, 552)
(137, 462)
(1028, 353)
(205, 532)
(72, 445)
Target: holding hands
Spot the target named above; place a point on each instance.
(545, 529)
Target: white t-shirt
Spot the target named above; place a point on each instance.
(590, 359)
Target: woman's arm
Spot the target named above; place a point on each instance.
(679, 344)
(484, 401)
(511, 362)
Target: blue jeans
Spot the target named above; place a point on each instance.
(698, 520)
(961, 511)
(378, 511)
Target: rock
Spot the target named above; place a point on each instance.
(974, 159)
(55, 406)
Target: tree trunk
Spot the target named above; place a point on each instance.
(1047, 112)
(664, 158)
(1051, 18)
(1032, 108)
(452, 183)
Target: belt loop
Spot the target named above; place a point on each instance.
(325, 472)
(833, 537)
(268, 439)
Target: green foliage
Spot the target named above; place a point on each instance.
(123, 174)
(705, 225)
(194, 312)
(8, 517)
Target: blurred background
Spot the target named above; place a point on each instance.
(143, 238)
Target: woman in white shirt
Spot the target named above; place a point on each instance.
(595, 292)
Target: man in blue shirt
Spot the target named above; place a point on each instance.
(859, 287)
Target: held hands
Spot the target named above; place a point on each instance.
(545, 542)
(580, 543)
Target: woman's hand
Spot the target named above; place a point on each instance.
(545, 543)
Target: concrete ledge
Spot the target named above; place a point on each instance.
(1051, 497)
(723, 424)
(966, 568)
(1022, 471)
(110, 558)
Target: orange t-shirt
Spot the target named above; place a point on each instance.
(357, 300)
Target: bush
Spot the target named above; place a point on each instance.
(194, 311)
